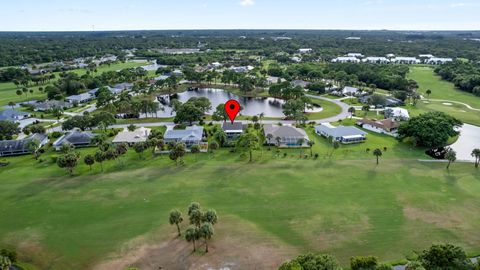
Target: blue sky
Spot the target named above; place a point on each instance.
(68, 15)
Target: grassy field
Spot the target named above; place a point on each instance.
(8, 90)
(444, 90)
(345, 205)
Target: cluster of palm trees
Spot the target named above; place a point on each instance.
(201, 224)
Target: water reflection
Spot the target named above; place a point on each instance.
(270, 107)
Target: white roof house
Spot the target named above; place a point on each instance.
(376, 60)
(390, 55)
(190, 136)
(350, 91)
(343, 134)
(305, 50)
(438, 61)
(346, 59)
(426, 56)
(80, 98)
(406, 60)
(358, 55)
(296, 59)
(131, 137)
(397, 113)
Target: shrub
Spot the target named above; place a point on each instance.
(363, 263)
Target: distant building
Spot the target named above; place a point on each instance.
(398, 114)
(76, 138)
(243, 69)
(346, 59)
(285, 136)
(50, 105)
(438, 61)
(80, 98)
(13, 115)
(306, 50)
(390, 55)
(350, 91)
(132, 137)
(303, 84)
(426, 56)
(406, 60)
(274, 80)
(353, 38)
(385, 126)
(376, 60)
(342, 134)
(357, 55)
(296, 59)
(21, 147)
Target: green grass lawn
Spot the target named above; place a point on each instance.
(329, 109)
(456, 110)
(427, 79)
(345, 205)
(8, 90)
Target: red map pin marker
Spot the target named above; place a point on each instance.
(232, 107)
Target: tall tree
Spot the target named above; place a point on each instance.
(248, 142)
(206, 232)
(377, 153)
(476, 155)
(89, 160)
(451, 156)
(192, 235)
(176, 218)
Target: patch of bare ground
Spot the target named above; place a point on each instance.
(30, 250)
(237, 244)
(457, 219)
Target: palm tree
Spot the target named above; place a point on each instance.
(311, 143)
(192, 235)
(34, 147)
(279, 140)
(176, 218)
(11, 104)
(300, 142)
(476, 155)
(377, 153)
(352, 111)
(206, 232)
(366, 109)
(451, 156)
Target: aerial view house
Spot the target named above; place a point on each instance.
(119, 88)
(285, 136)
(350, 91)
(21, 147)
(233, 130)
(398, 114)
(80, 98)
(385, 126)
(305, 50)
(274, 80)
(303, 84)
(190, 136)
(342, 134)
(132, 137)
(50, 105)
(76, 138)
(13, 115)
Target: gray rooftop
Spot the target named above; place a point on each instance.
(194, 132)
(340, 131)
(20, 145)
(12, 115)
(284, 131)
(236, 126)
(74, 138)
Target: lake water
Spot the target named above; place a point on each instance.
(251, 106)
(469, 139)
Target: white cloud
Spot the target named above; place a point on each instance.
(247, 3)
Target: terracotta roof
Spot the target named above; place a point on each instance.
(386, 124)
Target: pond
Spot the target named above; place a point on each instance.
(270, 107)
(469, 139)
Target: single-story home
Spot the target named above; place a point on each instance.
(396, 113)
(50, 105)
(233, 130)
(132, 137)
(274, 80)
(426, 56)
(303, 84)
(358, 55)
(350, 91)
(21, 147)
(244, 69)
(80, 98)
(296, 59)
(342, 134)
(190, 136)
(385, 126)
(285, 136)
(119, 88)
(13, 115)
(305, 50)
(76, 138)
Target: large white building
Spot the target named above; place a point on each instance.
(346, 59)
(406, 60)
(438, 61)
(376, 60)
